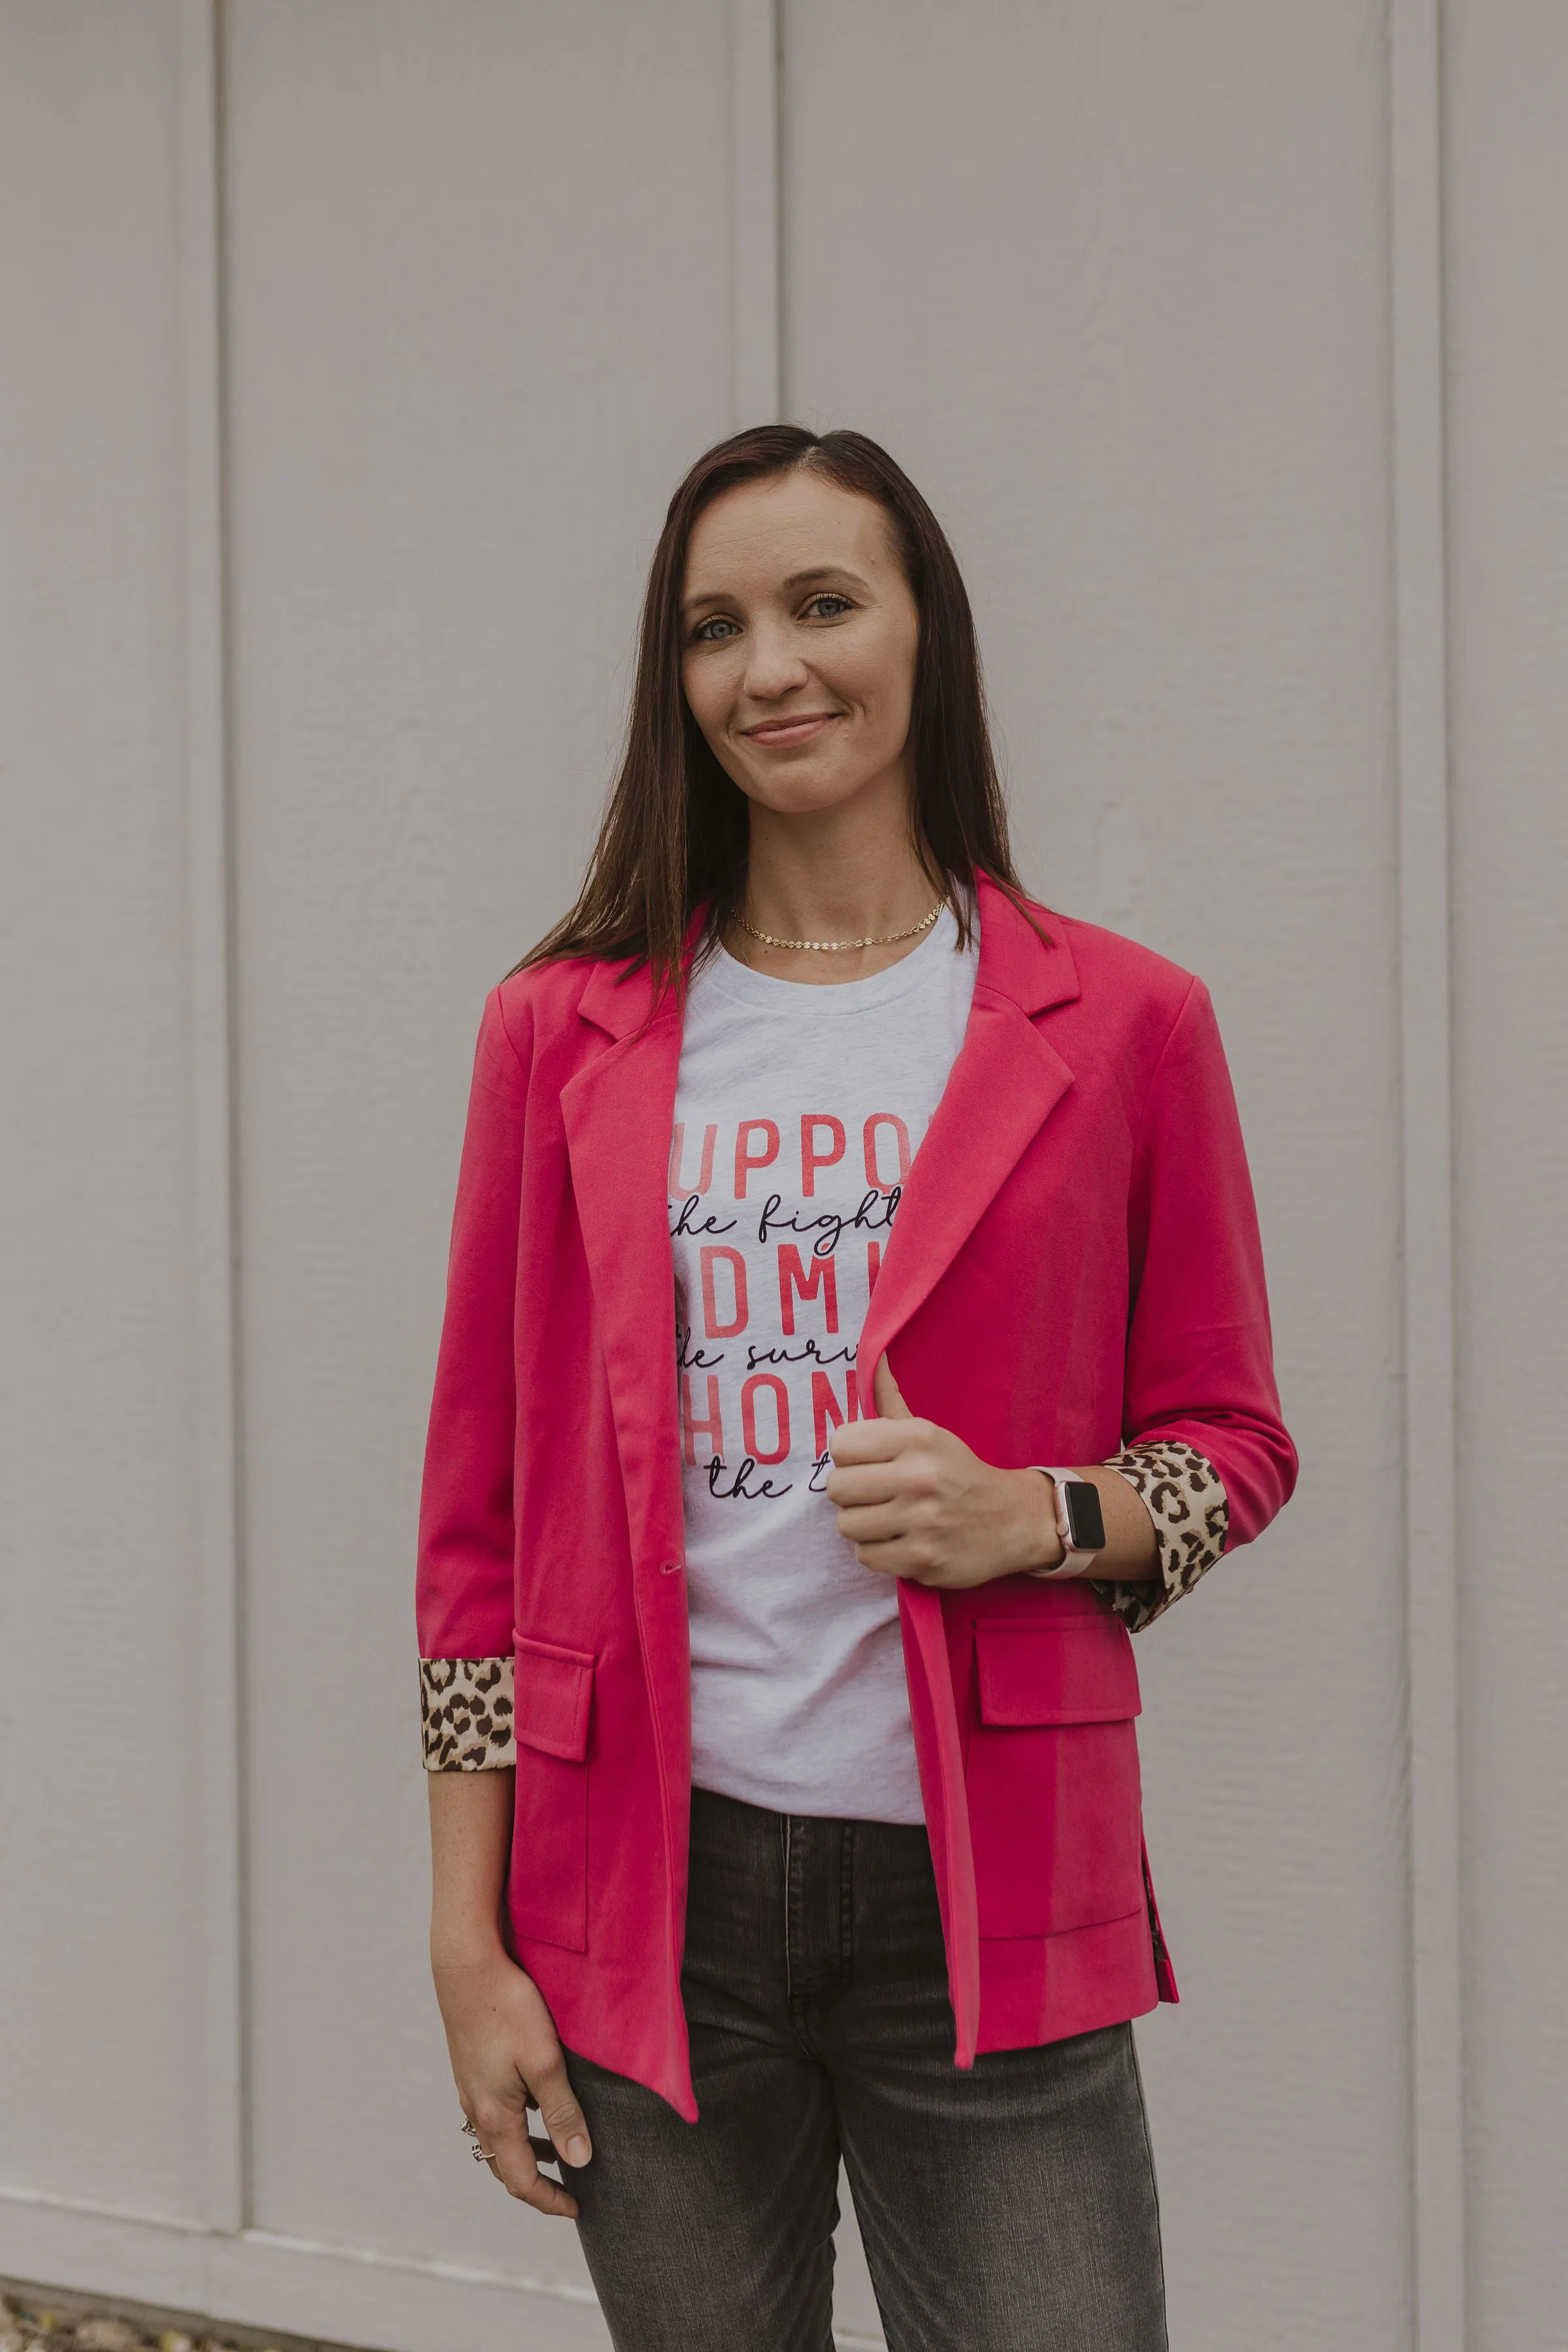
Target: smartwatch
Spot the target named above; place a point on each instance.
(1080, 1523)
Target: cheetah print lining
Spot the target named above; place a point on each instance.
(466, 1706)
(465, 1703)
(1185, 1498)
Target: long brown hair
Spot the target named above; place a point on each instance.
(676, 829)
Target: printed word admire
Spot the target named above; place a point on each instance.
(779, 1226)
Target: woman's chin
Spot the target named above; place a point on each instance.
(801, 791)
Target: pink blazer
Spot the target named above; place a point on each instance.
(1075, 1264)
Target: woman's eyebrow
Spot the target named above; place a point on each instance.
(818, 572)
(823, 572)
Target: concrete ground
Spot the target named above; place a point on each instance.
(41, 2318)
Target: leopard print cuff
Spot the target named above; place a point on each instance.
(466, 1707)
(1185, 1498)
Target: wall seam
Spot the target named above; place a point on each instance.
(1427, 1150)
(222, 2194)
(755, 242)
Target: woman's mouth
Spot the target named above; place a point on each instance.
(782, 734)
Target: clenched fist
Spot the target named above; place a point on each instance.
(914, 1501)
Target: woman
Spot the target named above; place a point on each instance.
(855, 1325)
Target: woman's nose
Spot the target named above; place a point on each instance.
(774, 664)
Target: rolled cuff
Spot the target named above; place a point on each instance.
(1182, 1495)
(466, 1710)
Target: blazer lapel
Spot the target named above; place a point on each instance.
(618, 1112)
(1005, 1083)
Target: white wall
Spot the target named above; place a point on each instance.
(1509, 517)
(100, 1957)
(1130, 289)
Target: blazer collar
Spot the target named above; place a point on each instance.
(1023, 956)
(620, 1000)
(617, 999)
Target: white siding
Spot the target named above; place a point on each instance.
(100, 1957)
(1119, 285)
(1508, 338)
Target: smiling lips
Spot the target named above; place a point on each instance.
(782, 734)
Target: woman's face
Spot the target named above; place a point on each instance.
(799, 636)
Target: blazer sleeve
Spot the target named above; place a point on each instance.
(464, 1583)
(1204, 1442)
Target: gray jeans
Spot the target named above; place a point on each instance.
(1011, 2209)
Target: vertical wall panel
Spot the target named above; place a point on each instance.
(479, 302)
(1506, 67)
(1112, 281)
(1427, 1119)
(100, 1957)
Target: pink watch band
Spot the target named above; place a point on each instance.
(1072, 1564)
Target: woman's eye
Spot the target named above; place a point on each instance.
(827, 606)
(713, 632)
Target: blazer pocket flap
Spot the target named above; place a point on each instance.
(1069, 1670)
(554, 1692)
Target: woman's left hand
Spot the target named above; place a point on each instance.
(914, 1501)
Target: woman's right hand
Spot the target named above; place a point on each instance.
(506, 2058)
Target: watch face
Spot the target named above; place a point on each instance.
(1086, 1520)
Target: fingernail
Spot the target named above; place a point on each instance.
(578, 2149)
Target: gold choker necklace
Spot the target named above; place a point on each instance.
(841, 947)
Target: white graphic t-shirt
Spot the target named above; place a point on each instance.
(798, 1111)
